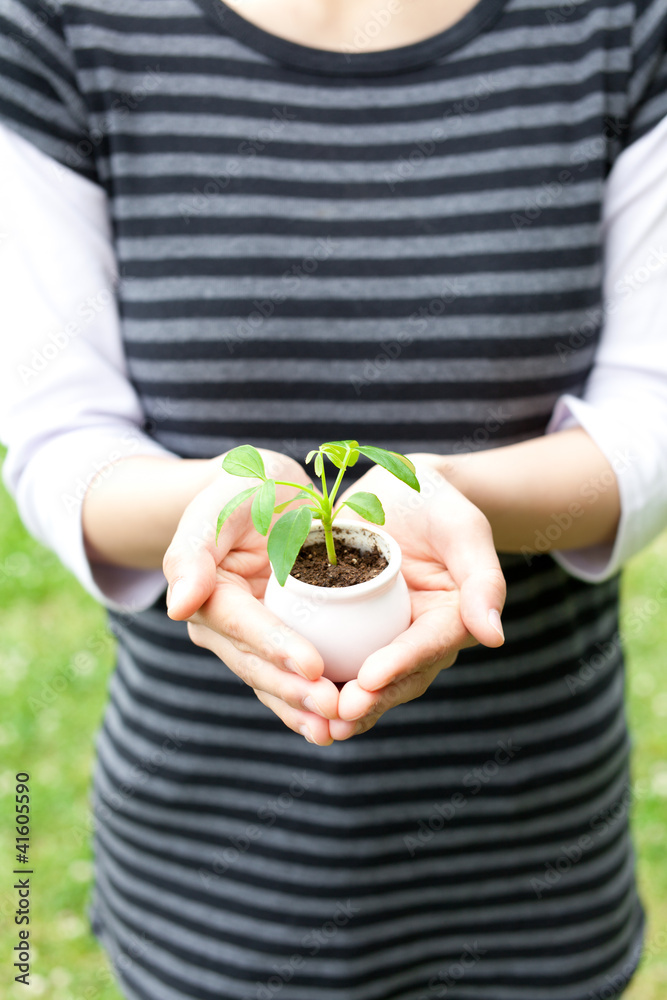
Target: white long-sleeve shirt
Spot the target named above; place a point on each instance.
(67, 408)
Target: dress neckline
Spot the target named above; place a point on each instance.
(334, 63)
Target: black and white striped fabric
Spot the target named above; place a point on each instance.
(403, 247)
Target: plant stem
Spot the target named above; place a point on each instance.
(325, 496)
(328, 534)
(329, 542)
(337, 483)
(326, 520)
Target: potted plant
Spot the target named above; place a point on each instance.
(336, 582)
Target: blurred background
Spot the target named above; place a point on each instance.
(56, 657)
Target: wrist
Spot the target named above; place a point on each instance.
(471, 474)
(132, 508)
(529, 489)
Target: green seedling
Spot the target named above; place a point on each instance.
(290, 531)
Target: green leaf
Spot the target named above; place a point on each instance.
(398, 465)
(262, 506)
(341, 452)
(287, 536)
(319, 464)
(283, 506)
(310, 455)
(244, 461)
(337, 453)
(353, 447)
(231, 506)
(336, 456)
(348, 443)
(368, 505)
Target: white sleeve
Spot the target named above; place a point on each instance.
(67, 407)
(624, 406)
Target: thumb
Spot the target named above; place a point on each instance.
(464, 540)
(191, 580)
(481, 601)
(191, 561)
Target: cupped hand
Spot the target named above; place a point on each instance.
(218, 589)
(456, 587)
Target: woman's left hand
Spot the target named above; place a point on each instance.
(456, 587)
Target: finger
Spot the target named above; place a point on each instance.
(191, 560)
(433, 640)
(464, 538)
(311, 727)
(342, 730)
(194, 554)
(234, 613)
(191, 577)
(319, 697)
(360, 710)
(482, 600)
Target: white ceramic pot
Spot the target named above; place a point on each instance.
(346, 624)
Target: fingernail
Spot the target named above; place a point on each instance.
(306, 733)
(177, 593)
(495, 622)
(294, 666)
(311, 706)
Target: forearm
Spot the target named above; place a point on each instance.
(558, 489)
(132, 509)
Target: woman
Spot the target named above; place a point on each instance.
(325, 221)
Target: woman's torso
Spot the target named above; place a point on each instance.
(405, 248)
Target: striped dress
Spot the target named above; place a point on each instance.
(402, 247)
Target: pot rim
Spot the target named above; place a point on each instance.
(357, 590)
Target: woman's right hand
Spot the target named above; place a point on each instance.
(218, 589)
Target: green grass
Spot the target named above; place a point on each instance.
(55, 661)
(644, 619)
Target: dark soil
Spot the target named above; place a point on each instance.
(312, 565)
